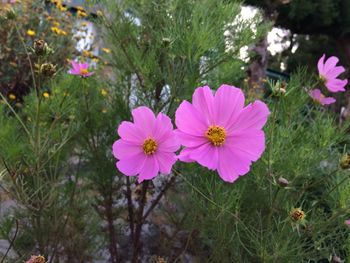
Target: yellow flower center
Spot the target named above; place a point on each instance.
(84, 71)
(149, 146)
(216, 135)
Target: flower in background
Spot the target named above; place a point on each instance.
(36, 259)
(80, 69)
(329, 73)
(318, 97)
(347, 222)
(147, 145)
(106, 50)
(30, 32)
(220, 133)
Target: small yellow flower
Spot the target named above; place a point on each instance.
(80, 8)
(87, 53)
(95, 60)
(46, 95)
(55, 29)
(30, 32)
(104, 92)
(12, 96)
(81, 13)
(84, 24)
(56, 24)
(106, 50)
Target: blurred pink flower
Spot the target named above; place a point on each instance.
(36, 259)
(317, 96)
(220, 133)
(147, 146)
(347, 222)
(329, 72)
(80, 69)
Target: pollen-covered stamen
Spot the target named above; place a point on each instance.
(84, 71)
(149, 146)
(216, 135)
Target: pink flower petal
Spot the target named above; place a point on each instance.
(336, 85)
(189, 120)
(144, 119)
(320, 64)
(150, 169)
(132, 166)
(232, 165)
(329, 64)
(228, 103)
(254, 116)
(123, 149)
(189, 140)
(206, 155)
(162, 128)
(165, 161)
(203, 101)
(130, 132)
(248, 144)
(335, 72)
(315, 94)
(327, 101)
(170, 144)
(184, 155)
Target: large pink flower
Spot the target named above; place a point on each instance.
(80, 69)
(147, 146)
(317, 96)
(220, 133)
(329, 73)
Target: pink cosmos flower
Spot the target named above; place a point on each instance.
(220, 133)
(347, 222)
(147, 146)
(329, 72)
(80, 69)
(317, 96)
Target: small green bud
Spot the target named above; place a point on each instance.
(48, 69)
(345, 161)
(283, 182)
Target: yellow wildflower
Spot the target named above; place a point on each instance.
(46, 94)
(104, 92)
(56, 24)
(30, 32)
(55, 29)
(106, 50)
(87, 53)
(81, 13)
(12, 96)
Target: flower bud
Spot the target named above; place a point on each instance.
(336, 259)
(345, 161)
(283, 182)
(297, 215)
(40, 47)
(48, 69)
